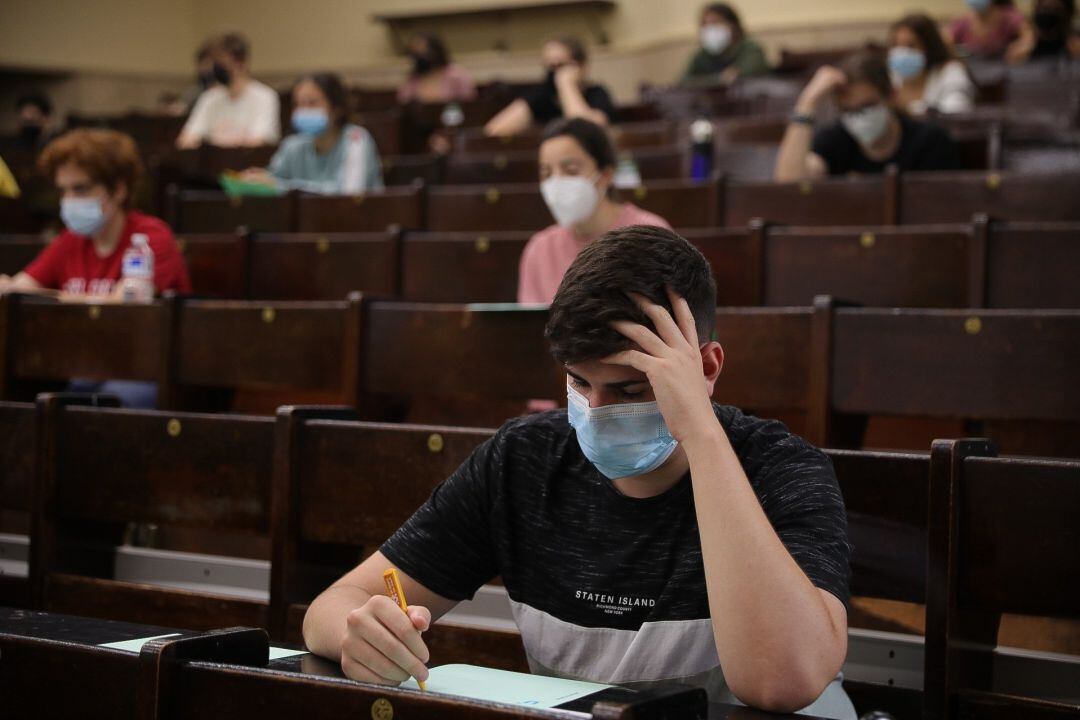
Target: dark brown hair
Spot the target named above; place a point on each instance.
(868, 66)
(235, 44)
(573, 46)
(333, 89)
(107, 156)
(592, 138)
(728, 13)
(926, 30)
(641, 259)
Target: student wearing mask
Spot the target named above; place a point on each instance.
(434, 78)
(238, 111)
(95, 172)
(987, 29)
(726, 53)
(1050, 34)
(564, 93)
(34, 116)
(926, 74)
(870, 134)
(577, 164)
(327, 154)
(645, 533)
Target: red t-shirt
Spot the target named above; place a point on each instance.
(71, 264)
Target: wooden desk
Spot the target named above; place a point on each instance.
(50, 666)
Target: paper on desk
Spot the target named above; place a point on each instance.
(501, 686)
(136, 645)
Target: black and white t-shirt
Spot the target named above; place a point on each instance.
(605, 587)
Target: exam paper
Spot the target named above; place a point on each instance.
(136, 645)
(502, 686)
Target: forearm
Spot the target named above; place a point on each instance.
(778, 643)
(325, 620)
(572, 101)
(794, 151)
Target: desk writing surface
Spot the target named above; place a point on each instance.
(502, 686)
(91, 631)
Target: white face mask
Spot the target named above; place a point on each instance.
(570, 198)
(867, 125)
(715, 38)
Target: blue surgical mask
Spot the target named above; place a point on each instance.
(620, 440)
(82, 216)
(906, 63)
(310, 121)
(978, 5)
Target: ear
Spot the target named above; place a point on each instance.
(712, 363)
(607, 178)
(120, 194)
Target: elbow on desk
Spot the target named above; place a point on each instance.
(780, 691)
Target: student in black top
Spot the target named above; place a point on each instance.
(564, 93)
(644, 534)
(871, 133)
(1050, 34)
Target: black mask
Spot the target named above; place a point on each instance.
(205, 79)
(30, 133)
(1048, 20)
(422, 64)
(222, 74)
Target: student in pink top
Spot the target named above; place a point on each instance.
(434, 79)
(577, 164)
(988, 29)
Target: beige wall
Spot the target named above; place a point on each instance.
(111, 55)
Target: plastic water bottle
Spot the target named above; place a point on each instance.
(138, 271)
(627, 176)
(701, 149)
(452, 115)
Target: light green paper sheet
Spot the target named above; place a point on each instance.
(501, 686)
(136, 645)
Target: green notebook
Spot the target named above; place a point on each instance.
(501, 686)
(235, 187)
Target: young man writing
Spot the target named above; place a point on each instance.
(644, 534)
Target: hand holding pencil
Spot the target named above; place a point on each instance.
(381, 643)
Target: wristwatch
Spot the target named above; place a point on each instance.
(802, 119)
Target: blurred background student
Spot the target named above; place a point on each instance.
(927, 75)
(327, 154)
(434, 78)
(238, 110)
(565, 92)
(725, 52)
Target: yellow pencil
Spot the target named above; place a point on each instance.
(397, 594)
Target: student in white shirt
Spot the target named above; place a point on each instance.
(927, 75)
(237, 112)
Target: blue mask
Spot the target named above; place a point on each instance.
(906, 63)
(310, 121)
(620, 440)
(978, 5)
(82, 216)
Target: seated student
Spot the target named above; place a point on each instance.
(643, 535)
(871, 133)
(237, 112)
(987, 29)
(926, 74)
(434, 78)
(95, 172)
(577, 165)
(35, 121)
(1050, 34)
(726, 53)
(564, 93)
(327, 154)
